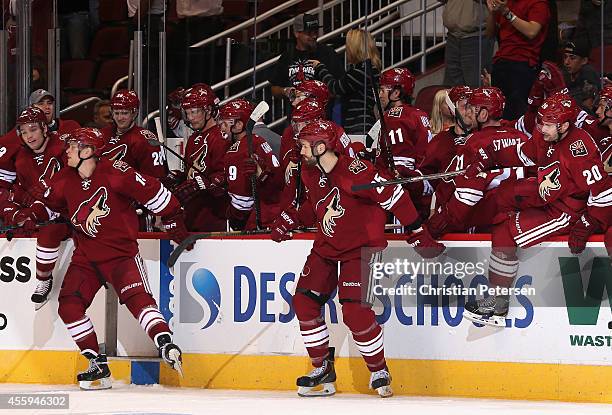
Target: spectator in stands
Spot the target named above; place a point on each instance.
(45, 100)
(295, 64)
(197, 20)
(588, 27)
(75, 25)
(441, 118)
(580, 77)
(521, 27)
(464, 20)
(102, 116)
(358, 110)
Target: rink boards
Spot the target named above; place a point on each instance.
(229, 307)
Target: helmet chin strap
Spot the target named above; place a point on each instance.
(81, 159)
(466, 129)
(392, 101)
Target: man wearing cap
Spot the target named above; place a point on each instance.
(293, 66)
(45, 100)
(581, 79)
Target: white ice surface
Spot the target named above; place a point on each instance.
(158, 400)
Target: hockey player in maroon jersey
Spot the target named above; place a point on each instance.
(342, 234)
(408, 127)
(459, 196)
(443, 147)
(40, 158)
(240, 167)
(584, 228)
(305, 111)
(202, 194)
(96, 195)
(128, 142)
(572, 186)
(12, 143)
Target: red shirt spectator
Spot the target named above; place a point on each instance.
(514, 45)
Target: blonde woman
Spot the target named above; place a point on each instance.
(441, 117)
(354, 87)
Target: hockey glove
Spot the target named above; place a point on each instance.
(283, 225)
(189, 188)
(438, 224)
(484, 162)
(174, 118)
(249, 166)
(27, 218)
(423, 243)
(175, 228)
(580, 233)
(172, 179)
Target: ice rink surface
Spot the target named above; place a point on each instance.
(158, 400)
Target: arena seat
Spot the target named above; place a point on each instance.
(424, 99)
(595, 58)
(111, 11)
(78, 74)
(110, 41)
(110, 71)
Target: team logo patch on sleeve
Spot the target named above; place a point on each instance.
(148, 135)
(345, 140)
(578, 149)
(121, 165)
(395, 112)
(357, 166)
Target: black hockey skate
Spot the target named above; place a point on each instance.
(320, 381)
(41, 293)
(170, 352)
(97, 375)
(491, 311)
(380, 381)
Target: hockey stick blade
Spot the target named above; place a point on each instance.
(259, 111)
(174, 255)
(434, 176)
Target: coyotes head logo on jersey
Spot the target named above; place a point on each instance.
(198, 160)
(53, 166)
(117, 153)
(548, 177)
(87, 216)
(331, 210)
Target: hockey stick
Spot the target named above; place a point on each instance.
(365, 186)
(174, 255)
(257, 113)
(299, 186)
(8, 230)
(383, 140)
(196, 236)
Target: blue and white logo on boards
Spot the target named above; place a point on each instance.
(200, 296)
